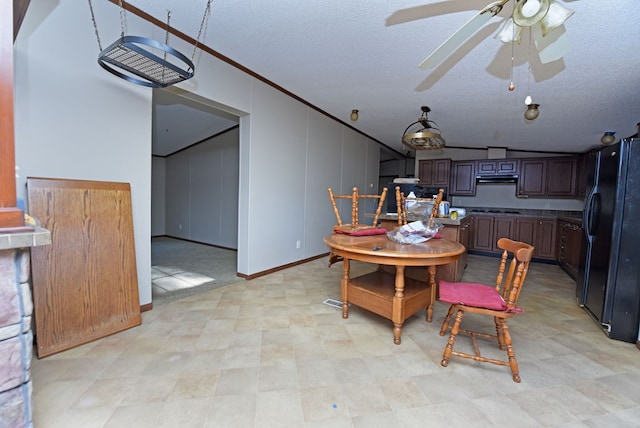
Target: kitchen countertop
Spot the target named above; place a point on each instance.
(442, 220)
(571, 216)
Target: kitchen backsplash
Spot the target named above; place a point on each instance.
(504, 196)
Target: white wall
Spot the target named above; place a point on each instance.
(74, 120)
(201, 192)
(158, 189)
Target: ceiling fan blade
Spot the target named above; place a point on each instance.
(553, 46)
(463, 33)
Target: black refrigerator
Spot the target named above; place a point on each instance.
(608, 284)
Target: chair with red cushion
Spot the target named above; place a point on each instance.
(356, 227)
(499, 302)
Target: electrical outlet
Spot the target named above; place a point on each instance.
(298, 243)
(180, 226)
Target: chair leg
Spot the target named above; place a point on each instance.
(447, 319)
(452, 339)
(334, 259)
(513, 363)
(499, 333)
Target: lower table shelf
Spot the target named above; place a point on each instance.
(375, 292)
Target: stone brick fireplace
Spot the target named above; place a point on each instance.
(16, 337)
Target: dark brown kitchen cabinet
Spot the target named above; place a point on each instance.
(562, 176)
(488, 229)
(497, 167)
(434, 172)
(583, 171)
(482, 233)
(569, 246)
(532, 180)
(466, 232)
(539, 232)
(463, 178)
(548, 177)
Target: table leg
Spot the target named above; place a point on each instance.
(433, 285)
(344, 283)
(397, 313)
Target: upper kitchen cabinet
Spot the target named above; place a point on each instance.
(562, 176)
(548, 177)
(434, 172)
(463, 178)
(532, 180)
(497, 167)
(583, 171)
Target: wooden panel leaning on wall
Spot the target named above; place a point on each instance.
(85, 284)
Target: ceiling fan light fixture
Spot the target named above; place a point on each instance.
(530, 12)
(425, 136)
(509, 33)
(556, 16)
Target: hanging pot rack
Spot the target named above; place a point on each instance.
(144, 61)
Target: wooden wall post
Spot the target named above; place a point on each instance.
(10, 215)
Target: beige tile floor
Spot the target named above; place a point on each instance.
(269, 353)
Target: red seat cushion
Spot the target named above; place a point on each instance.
(473, 294)
(364, 232)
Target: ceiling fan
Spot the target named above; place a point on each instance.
(541, 16)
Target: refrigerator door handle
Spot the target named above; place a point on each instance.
(594, 214)
(591, 214)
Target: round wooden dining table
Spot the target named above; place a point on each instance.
(387, 294)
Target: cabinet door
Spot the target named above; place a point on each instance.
(526, 230)
(503, 227)
(532, 180)
(434, 172)
(463, 178)
(546, 239)
(466, 237)
(425, 172)
(507, 166)
(483, 233)
(562, 176)
(488, 167)
(441, 172)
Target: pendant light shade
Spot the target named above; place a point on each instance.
(609, 137)
(556, 16)
(532, 112)
(423, 134)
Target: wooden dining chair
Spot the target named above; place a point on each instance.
(499, 302)
(356, 198)
(356, 227)
(401, 205)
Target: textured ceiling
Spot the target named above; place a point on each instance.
(341, 55)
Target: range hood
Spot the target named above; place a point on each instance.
(497, 178)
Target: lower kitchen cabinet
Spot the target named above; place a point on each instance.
(539, 232)
(488, 229)
(569, 246)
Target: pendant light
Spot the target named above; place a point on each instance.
(424, 135)
(609, 137)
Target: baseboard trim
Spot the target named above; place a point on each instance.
(147, 307)
(276, 269)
